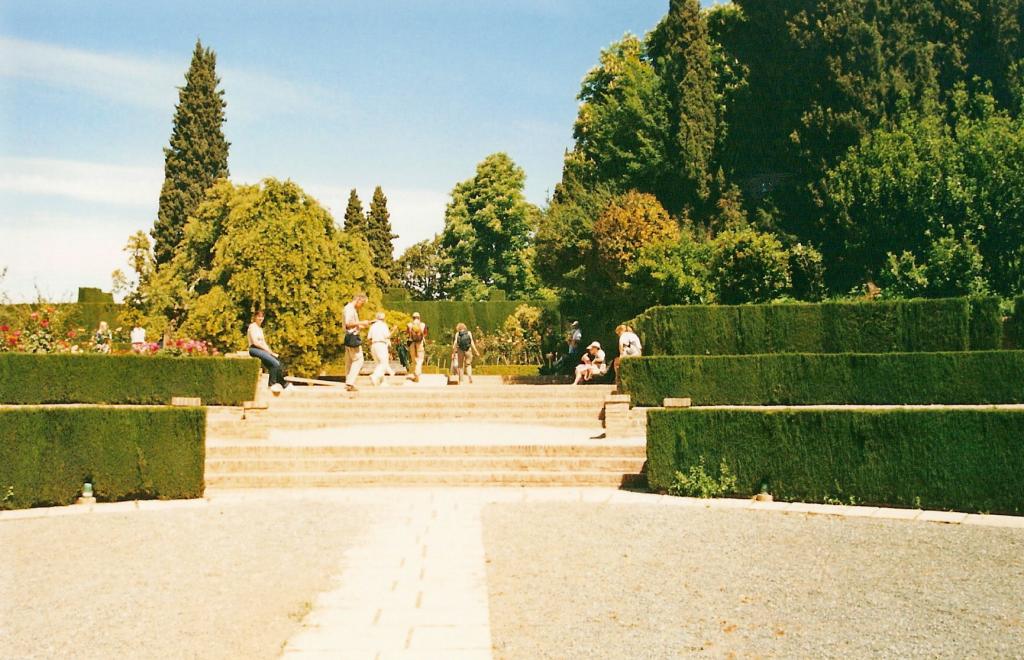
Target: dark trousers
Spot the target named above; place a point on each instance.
(272, 364)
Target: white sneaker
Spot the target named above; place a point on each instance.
(289, 388)
(276, 388)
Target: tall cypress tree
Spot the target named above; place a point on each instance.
(355, 220)
(681, 51)
(197, 155)
(379, 236)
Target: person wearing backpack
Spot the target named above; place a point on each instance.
(417, 331)
(463, 348)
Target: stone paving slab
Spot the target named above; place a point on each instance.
(417, 587)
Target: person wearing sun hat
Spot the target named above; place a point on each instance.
(592, 364)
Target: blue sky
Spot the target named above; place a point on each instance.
(408, 94)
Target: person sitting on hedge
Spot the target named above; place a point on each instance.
(258, 348)
(592, 365)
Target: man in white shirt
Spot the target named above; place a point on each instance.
(138, 338)
(353, 344)
(379, 336)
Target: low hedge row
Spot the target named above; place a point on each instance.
(46, 454)
(28, 379)
(968, 460)
(1015, 331)
(836, 378)
(951, 324)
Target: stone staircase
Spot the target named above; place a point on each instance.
(487, 433)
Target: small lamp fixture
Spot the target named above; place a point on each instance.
(87, 496)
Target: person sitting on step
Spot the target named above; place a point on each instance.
(592, 364)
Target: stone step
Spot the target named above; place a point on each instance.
(322, 418)
(466, 390)
(216, 451)
(489, 403)
(425, 464)
(454, 478)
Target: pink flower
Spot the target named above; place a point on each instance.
(45, 323)
(4, 328)
(34, 315)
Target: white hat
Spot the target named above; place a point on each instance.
(594, 344)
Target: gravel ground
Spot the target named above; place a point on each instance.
(623, 581)
(229, 580)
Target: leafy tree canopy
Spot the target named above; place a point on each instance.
(271, 247)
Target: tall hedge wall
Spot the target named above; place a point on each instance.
(46, 454)
(837, 378)
(1015, 331)
(952, 324)
(441, 316)
(970, 460)
(27, 379)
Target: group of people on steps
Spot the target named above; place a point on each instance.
(591, 363)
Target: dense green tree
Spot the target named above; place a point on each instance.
(270, 247)
(623, 131)
(379, 236)
(748, 266)
(197, 155)
(421, 270)
(629, 222)
(487, 237)
(355, 219)
(681, 52)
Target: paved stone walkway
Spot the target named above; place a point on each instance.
(416, 587)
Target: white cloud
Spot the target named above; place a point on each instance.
(90, 182)
(152, 82)
(55, 254)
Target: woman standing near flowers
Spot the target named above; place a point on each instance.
(103, 338)
(258, 348)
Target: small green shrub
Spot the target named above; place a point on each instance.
(696, 482)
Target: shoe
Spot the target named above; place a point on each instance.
(471, 380)
(351, 388)
(276, 388)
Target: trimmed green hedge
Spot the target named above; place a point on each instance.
(441, 316)
(838, 378)
(970, 460)
(46, 454)
(88, 294)
(27, 379)
(1015, 331)
(951, 324)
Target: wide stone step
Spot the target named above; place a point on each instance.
(216, 451)
(451, 392)
(391, 478)
(285, 404)
(425, 464)
(218, 428)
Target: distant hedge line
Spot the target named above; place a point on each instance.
(1015, 331)
(837, 378)
(969, 460)
(86, 316)
(951, 324)
(441, 316)
(46, 454)
(27, 379)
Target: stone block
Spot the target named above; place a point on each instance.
(684, 402)
(186, 401)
